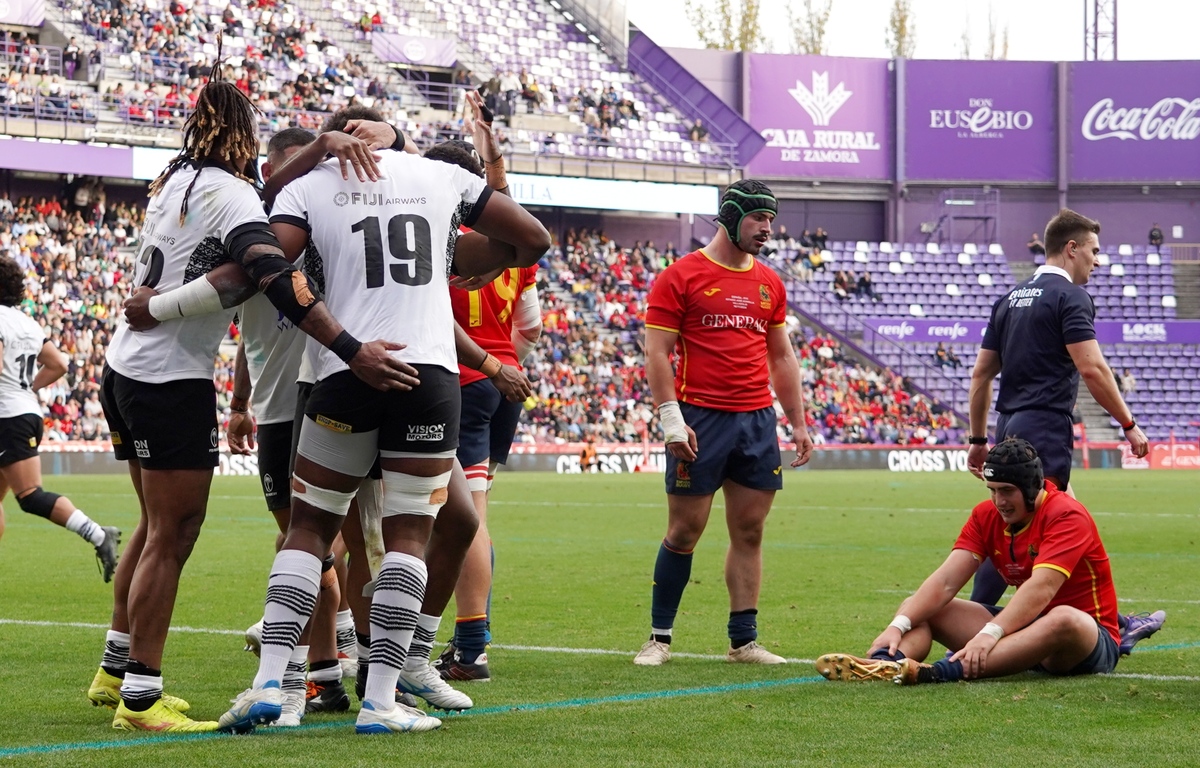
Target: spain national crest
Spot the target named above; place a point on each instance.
(764, 296)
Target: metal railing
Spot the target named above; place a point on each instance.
(58, 109)
(19, 56)
(812, 303)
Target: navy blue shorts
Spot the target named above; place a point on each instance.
(1052, 435)
(488, 424)
(1102, 660)
(741, 447)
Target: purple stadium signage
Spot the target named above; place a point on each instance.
(822, 117)
(909, 330)
(24, 155)
(913, 329)
(406, 49)
(980, 120)
(1135, 121)
(25, 13)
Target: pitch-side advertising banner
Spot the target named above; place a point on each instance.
(980, 120)
(911, 329)
(406, 49)
(1135, 121)
(822, 117)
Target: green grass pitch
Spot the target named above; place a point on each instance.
(574, 556)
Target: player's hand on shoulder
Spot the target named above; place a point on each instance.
(513, 384)
(804, 449)
(137, 309)
(351, 151)
(375, 365)
(1138, 442)
(240, 434)
(377, 135)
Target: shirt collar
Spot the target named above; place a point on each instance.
(1047, 269)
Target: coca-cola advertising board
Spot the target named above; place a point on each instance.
(1135, 121)
(823, 117)
(980, 121)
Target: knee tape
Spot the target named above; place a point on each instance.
(477, 477)
(412, 495)
(38, 502)
(323, 499)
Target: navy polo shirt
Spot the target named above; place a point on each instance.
(1030, 328)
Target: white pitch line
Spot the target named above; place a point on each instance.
(86, 625)
(1149, 600)
(1158, 678)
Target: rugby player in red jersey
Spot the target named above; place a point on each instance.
(1062, 619)
(723, 312)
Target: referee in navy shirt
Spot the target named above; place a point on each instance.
(1042, 337)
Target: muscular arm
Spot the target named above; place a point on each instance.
(53, 366)
(659, 374)
(1096, 374)
(1030, 599)
(511, 237)
(933, 595)
(785, 378)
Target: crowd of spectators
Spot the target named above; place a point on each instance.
(589, 367)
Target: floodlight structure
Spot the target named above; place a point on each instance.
(1099, 30)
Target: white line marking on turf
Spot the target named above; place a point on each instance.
(1159, 678)
(1149, 600)
(86, 625)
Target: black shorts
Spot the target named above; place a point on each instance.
(1102, 660)
(20, 437)
(737, 446)
(489, 423)
(275, 463)
(423, 420)
(172, 425)
(1052, 435)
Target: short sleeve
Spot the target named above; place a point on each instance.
(666, 302)
(230, 205)
(779, 311)
(290, 207)
(1078, 316)
(1065, 540)
(991, 334)
(973, 537)
(472, 191)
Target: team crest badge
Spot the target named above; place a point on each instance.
(764, 296)
(683, 477)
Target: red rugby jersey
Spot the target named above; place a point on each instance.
(486, 316)
(1060, 535)
(722, 316)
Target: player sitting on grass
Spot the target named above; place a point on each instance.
(1061, 620)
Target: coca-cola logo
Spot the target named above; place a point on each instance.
(1173, 119)
(981, 119)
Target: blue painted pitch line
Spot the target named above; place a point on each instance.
(625, 698)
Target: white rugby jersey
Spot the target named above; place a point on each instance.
(173, 255)
(23, 339)
(385, 251)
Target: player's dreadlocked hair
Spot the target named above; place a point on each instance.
(12, 283)
(224, 126)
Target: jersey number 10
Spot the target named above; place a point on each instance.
(409, 242)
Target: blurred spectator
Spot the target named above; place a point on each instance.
(866, 288)
(1156, 237)
(698, 132)
(821, 240)
(1128, 383)
(1036, 246)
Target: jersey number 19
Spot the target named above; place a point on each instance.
(410, 243)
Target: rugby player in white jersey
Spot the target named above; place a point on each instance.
(29, 362)
(157, 388)
(386, 253)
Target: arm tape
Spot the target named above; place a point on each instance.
(198, 297)
(242, 238)
(288, 289)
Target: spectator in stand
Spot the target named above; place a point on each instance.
(1036, 246)
(71, 57)
(842, 285)
(952, 358)
(1156, 237)
(866, 288)
(1128, 383)
(821, 240)
(698, 132)
(587, 457)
